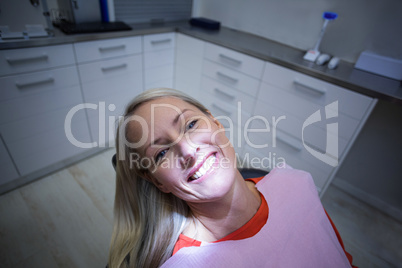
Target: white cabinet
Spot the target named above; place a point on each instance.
(188, 64)
(309, 124)
(275, 115)
(39, 87)
(159, 56)
(229, 85)
(111, 74)
(271, 114)
(7, 167)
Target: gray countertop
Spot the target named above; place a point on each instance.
(345, 75)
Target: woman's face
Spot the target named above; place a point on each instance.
(184, 150)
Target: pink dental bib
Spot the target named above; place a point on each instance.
(297, 233)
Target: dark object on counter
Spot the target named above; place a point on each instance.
(92, 27)
(205, 23)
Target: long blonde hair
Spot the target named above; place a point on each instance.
(147, 222)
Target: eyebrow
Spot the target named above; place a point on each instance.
(174, 122)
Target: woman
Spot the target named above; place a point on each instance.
(181, 202)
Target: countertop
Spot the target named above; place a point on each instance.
(345, 75)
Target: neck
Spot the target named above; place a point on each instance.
(217, 219)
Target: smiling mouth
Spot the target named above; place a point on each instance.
(208, 165)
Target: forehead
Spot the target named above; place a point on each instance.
(155, 115)
(163, 108)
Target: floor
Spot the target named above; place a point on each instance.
(65, 220)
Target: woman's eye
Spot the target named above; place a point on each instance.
(191, 124)
(160, 155)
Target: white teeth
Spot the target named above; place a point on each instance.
(204, 168)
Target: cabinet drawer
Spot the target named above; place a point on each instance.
(301, 109)
(235, 60)
(32, 105)
(316, 91)
(38, 82)
(107, 69)
(283, 143)
(158, 58)
(228, 95)
(104, 49)
(35, 125)
(231, 78)
(154, 42)
(14, 61)
(104, 119)
(268, 158)
(227, 114)
(314, 136)
(102, 89)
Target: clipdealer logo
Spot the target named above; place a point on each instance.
(107, 126)
(330, 156)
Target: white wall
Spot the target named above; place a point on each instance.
(362, 24)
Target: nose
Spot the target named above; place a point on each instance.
(186, 152)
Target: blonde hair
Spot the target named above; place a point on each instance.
(147, 222)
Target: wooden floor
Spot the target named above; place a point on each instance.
(65, 220)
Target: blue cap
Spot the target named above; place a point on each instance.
(329, 15)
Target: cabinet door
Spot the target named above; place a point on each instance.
(231, 78)
(51, 145)
(159, 56)
(7, 168)
(108, 86)
(33, 117)
(188, 64)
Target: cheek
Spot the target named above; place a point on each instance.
(223, 142)
(219, 138)
(167, 172)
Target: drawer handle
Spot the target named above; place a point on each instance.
(221, 109)
(42, 57)
(224, 93)
(35, 83)
(108, 48)
(227, 77)
(114, 67)
(289, 142)
(317, 90)
(155, 42)
(232, 60)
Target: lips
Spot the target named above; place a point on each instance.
(204, 168)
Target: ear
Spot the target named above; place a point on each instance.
(214, 120)
(148, 176)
